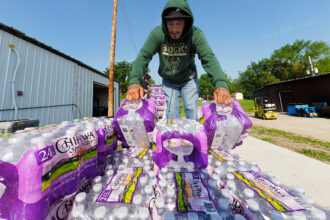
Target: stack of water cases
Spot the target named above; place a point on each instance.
(75, 171)
(158, 96)
(42, 169)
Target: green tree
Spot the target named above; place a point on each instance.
(206, 88)
(121, 73)
(288, 62)
(323, 65)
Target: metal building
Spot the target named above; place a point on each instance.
(308, 90)
(39, 82)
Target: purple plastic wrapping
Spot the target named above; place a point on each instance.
(146, 112)
(198, 156)
(211, 119)
(48, 173)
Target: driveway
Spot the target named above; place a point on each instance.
(315, 128)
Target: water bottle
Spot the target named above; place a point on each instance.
(298, 216)
(77, 213)
(148, 191)
(231, 185)
(248, 194)
(97, 180)
(253, 206)
(168, 215)
(137, 201)
(144, 213)
(215, 216)
(317, 214)
(122, 213)
(100, 213)
(160, 205)
(170, 199)
(146, 168)
(151, 175)
(239, 217)
(162, 185)
(277, 216)
(107, 177)
(80, 199)
(223, 208)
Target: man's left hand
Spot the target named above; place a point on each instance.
(222, 95)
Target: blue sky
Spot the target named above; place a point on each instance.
(239, 31)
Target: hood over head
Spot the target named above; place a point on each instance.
(175, 9)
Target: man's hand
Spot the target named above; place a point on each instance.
(222, 96)
(134, 92)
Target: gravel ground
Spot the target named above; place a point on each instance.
(315, 128)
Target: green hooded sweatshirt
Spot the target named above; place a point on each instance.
(176, 57)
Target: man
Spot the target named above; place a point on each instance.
(177, 41)
(145, 83)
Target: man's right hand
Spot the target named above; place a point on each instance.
(134, 92)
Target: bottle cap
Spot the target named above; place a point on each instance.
(100, 212)
(97, 179)
(148, 189)
(147, 162)
(218, 163)
(152, 174)
(146, 168)
(135, 161)
(218, 170)
(144, 213)
(162, 183)
(109, 173)
(125, 160)
(143, 180)
(231, 185)
(80, 197)
(230, 176)
(164, 170)
(122, 213)
(170, 192)
(137, 200)
(215, 177)
(230, 169)
(225, 193)
(170, 176)
(252, 205)
(160, 203)
(77, 211)
(97, 187)
(248, 193)
(145, 157)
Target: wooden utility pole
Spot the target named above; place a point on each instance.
(112, 58)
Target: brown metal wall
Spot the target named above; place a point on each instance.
(306, 91)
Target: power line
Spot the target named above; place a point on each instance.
(123, 9)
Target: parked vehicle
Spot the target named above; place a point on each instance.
(264, 108)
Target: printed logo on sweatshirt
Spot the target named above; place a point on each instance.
(176, 49)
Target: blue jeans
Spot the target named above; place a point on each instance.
(189, 92)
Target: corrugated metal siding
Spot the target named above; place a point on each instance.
(56, 88)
